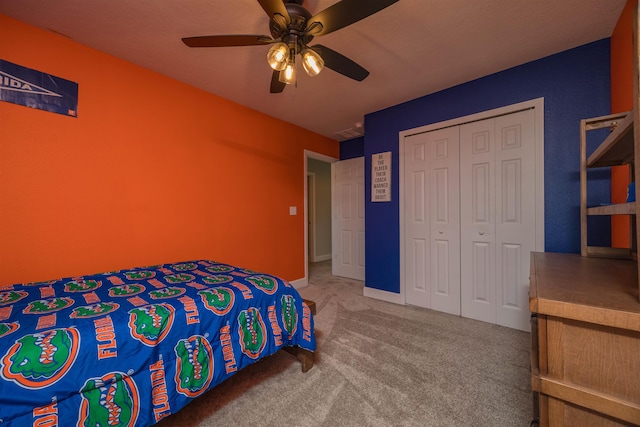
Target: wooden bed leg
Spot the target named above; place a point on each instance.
(311, 305)
(303, 355)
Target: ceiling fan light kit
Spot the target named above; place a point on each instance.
(312, 62)
(289, 74)
(277, 56)
(292, 27)
(281, 57)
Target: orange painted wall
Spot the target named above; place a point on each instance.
(151, 171)
(621, 100)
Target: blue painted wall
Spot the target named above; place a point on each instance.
(575, 84)
(352, 148)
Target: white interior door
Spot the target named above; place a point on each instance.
(469, 215)
(432, 219)
(515, 216)
(348, 218)
(498, 217)
(416, 221)
(477, 221)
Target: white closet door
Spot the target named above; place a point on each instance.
(416, 221)
(432, 246)
(497, 218)
(515, 216)
(348, 218)
(477, 219)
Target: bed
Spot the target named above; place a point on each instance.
(130, 347)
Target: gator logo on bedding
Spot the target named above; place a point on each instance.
(217, 279)
(48, 305)
(267, 284)
(10, 297)
(194, 365)
(7, 328)
(94, 310)
(110, 400)
(82, 285)
(219, 300)
(185, 266)
(139, 275)
(174, 279)
(220, 268)
(126, 290)
(252, 332)
(41, 359)
(165, 293)
(289, 314)
(151, 324)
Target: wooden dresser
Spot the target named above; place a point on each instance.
(586, 340)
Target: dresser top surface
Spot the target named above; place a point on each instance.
(597, 290)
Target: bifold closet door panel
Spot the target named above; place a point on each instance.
(497, 177)
(477, 220)
(431, 218)
(515, 216)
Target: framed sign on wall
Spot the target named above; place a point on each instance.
(381, 177)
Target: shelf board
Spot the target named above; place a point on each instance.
(617, 209)
(609, 252)
(617, 148)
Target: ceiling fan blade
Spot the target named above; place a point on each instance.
(340, 63)
(344, 13)
(276, 85)
(227, 40)
(276, 11)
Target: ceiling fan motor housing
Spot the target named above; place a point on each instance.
(294, 35)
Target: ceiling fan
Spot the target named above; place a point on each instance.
(292, 27)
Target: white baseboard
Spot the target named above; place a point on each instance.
(319, 258)
(299, 283)
(367, 292)
(383, 295)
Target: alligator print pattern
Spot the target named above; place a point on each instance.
(130, 347)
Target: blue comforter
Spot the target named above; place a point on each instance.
(130, 347)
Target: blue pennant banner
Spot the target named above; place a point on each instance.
(32, 88)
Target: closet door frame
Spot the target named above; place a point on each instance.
(538, 106)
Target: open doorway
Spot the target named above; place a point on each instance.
(317, 211)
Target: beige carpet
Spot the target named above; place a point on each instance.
(379, 364)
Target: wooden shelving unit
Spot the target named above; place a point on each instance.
(618, 148)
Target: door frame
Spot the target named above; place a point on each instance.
(311, 216)
(538, 106)
(308, 154)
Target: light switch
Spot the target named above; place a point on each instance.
(293, 210)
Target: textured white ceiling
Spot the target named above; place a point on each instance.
(412, 48)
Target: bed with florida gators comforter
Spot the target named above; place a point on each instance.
(130, 347)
